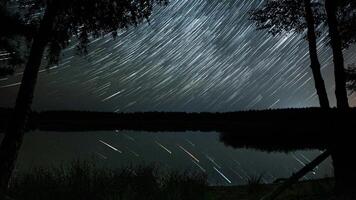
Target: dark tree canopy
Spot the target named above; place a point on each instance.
(288, 16)
(348, 31)
(284, 16)
(13, 39)
(278, 17)
(351, 77)
(347, 25)
(80, 20)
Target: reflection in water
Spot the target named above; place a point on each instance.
(171, 151)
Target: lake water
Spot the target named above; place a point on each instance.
(202, 152)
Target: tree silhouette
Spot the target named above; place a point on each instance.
(315, 64)
(343, 170)
(351, 77)
(58, 23)
(283, 16)
(331, 8)
(288, 15)
(13, 39)
(348, 31)
(347, 18)
(296, 16)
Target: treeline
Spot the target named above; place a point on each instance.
(266, 129)
(205, 121)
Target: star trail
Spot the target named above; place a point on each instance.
(193, 56)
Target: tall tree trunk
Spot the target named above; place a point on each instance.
(335, 40)
(314, 61)
(12, 141)
(344, 171)
(344, 168)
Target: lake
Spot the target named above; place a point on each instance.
(193, 151)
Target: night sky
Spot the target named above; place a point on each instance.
(194, 56)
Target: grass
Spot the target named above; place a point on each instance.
(254, 184)
(84, 181)
(321, 189)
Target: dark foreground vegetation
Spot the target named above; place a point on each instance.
(83, 180)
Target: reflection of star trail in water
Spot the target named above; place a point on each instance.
(235, 172)
(213, 161)
(190, 142)
(11, 85)
(128, 137)
(134, 153)
(227, 180)
(298, 160)
(199, 166)
(163, 147)
(110, 146)
(101, 155)
(190, 154)
(237, 165)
